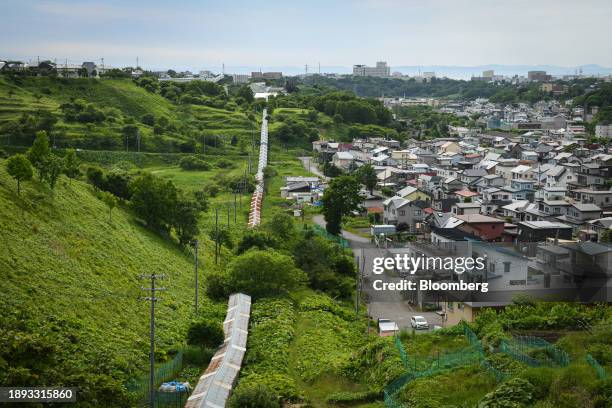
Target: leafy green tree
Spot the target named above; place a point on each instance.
(185, 216)
(253, 396)
(264, 273)
(330, 170)
(256, 239)
(327, 268)
(71, 165)
(53, 170)
(148, 119)
(339, 199)
(367, 176)
(282, 227)
(246, 93)
(153, 200)
(39, 153)
(205, 334)
(20, 168)
(96, 177)
(117, 181)
(111, 202)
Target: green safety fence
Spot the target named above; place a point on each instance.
(337, 239)
(165, 372)
(534, 352)
(402, 352)
(424, 366)
(601, 372)
(475, 341)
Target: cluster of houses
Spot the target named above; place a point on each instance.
(63, 69)
(544, 116)
(522, 196)
(518, 179)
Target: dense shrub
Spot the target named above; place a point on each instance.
(541, 378)
(256, 239)
(264, 273)
(516, 392)
(257, 396)
(267, 359)
(224, 164)
(193, 163)
(344, 397)
(205, 334)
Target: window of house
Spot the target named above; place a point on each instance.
(417, 212)
(449, 306)
(402, 212)
(507, 267)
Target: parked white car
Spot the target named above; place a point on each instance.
(419, 322)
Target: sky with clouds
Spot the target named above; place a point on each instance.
(192, 34)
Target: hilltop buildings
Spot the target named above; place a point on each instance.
(380, 70)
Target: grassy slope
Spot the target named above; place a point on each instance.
(32, 94)
(62, 259)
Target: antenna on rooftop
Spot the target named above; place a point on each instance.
(306, 69)
(223, 68)
(136, 62)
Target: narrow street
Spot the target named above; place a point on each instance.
(311, 165)
(381, 304)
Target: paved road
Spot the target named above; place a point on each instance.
(381, 304)
(311, 165)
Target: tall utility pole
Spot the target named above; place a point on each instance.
(235, 222)
(153, 289)
(195, 250)
(216, 235)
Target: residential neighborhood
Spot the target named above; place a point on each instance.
(515, 196)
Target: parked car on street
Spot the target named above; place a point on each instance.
(419, 322)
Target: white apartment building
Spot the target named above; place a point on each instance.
(380, 70)
(240, 78)
(603, 130)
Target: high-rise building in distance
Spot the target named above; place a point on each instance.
(380, 70)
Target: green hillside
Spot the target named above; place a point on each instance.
(70, 290)
(102, 109)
